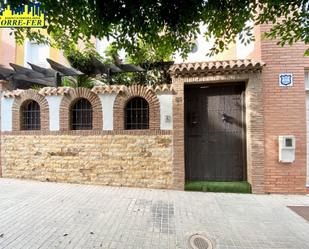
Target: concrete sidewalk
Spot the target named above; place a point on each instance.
(55, 215)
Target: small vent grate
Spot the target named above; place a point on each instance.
(201, 243)
(198, 241)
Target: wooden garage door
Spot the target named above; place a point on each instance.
(214, 133)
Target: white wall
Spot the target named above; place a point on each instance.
(200, 52)
(107, 100)
(54, 111)
(36, 54)
(6, 114)
(166, 111)
(242, 50)
(102, 45)
(203, 47)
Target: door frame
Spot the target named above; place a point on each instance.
(243, 114)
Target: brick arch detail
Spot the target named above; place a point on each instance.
(70, 98)
(131, 92)
(20, 100)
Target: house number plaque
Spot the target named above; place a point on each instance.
(285, 79)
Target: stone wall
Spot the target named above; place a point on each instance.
(106, 154)
(108, 159)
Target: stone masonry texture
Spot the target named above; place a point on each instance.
(117, 160)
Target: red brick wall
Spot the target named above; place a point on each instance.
(136, 91)
(30, 94)
(284, 113)
(70, 98)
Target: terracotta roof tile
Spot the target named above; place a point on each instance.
(217, 67)
(109, 89)
(12, 94)
(164, 88)
(47, 91)
(160, 88)
(122, 88)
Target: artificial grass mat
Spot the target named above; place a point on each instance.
(224, 187)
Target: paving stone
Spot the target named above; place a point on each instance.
(37, 215)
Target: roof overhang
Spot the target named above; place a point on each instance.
(104, 89)
(216, 68)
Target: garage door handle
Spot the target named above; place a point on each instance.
(224, 117)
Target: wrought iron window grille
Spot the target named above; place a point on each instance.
(81, 115)
(137, 114)
(30, 116)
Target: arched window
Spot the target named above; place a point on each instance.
(81, 115)
(137, 114)
(30, 116)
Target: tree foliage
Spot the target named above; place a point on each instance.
(81, 58)
(170, 24)
(156, 65)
